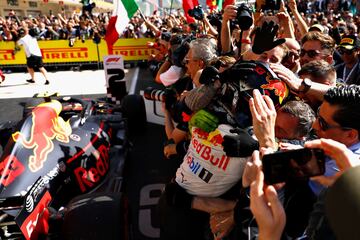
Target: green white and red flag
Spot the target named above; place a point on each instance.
(124, 11)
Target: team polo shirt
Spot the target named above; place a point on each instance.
(206, 171)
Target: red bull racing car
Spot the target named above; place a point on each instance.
(61, 170)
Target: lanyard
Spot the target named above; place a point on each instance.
(348, 76)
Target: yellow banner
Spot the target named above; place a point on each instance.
(58, 51)
(133, 49)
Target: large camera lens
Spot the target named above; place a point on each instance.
(151, 93)
(244, 17)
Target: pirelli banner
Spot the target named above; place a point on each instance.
(58, 51)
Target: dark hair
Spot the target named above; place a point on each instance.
(318, 69)
(347, 99)
(303, 112)
(325, 40)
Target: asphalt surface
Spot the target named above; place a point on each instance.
(147, 171)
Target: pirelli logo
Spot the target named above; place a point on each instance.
(65, 53)
(347, 40)
(132, 51)
(7, 55)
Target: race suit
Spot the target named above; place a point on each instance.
(206, 171)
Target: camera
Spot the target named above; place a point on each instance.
(215, 18)
(167, 96)
(154, 94)
(271, 5)
(297, 164)
(244, 17)
(197, 13)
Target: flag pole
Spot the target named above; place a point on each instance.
(171, 4)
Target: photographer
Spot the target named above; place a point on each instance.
(200, 54)
(271, 218)
(173, 67)
(243, 16)
(199, 14)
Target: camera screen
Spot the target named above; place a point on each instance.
(296, 164)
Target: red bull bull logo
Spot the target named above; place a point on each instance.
(279, 87)
(46, 126)
(214, 138)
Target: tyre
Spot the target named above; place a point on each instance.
(96, 216)
(133, 109)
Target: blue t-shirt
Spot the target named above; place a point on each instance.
(330, 169)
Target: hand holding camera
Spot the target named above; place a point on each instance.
(344, 158)
(229, 13)
(197, 13)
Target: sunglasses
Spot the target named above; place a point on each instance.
(343, 51)
(324, 126)
(310, 53)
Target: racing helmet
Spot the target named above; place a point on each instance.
(245, 76)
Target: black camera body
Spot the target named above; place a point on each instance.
(215, 19)
(244, 17)
(197, 13)
(271, 5)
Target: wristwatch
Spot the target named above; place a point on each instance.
(305, 85)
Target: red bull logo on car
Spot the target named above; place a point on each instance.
(46, 126)
(279, 87)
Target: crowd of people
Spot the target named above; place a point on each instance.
(81, 26)
(243, 84)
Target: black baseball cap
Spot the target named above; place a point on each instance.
(350, 42)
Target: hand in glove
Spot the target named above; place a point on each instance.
(204, 120)
(265, 38)
(240, 145)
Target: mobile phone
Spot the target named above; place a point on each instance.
(294, 164)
